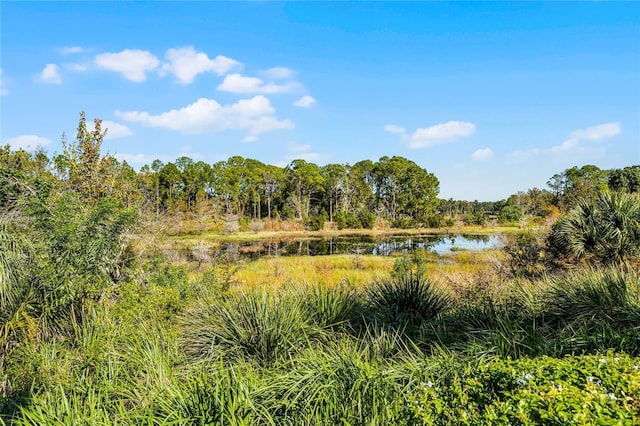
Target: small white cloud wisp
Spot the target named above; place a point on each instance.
(242, 84)
(305, 102)
(50, 74)
(482, 154)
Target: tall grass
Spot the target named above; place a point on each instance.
(406, 300)
(332, 308)
(259, 325)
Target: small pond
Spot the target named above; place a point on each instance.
(386, 245)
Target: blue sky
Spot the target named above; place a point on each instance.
(492, 98)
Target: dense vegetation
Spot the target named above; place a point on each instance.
(98, 326)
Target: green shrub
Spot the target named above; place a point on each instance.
(606, 229)
(574, 390)
(260, 325)
(405, 300)
(331, 307)
(588, 295)
(510, 213)
(527, 255)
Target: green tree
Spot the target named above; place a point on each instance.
(306, 182)
(405, 191)
(334, 177)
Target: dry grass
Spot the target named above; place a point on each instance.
(281, 271)
(452, 272)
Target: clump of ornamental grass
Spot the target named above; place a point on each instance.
(406, 300)
(611, 295)
(595, 310)
(332, 307)
(336, 385)
(262, 326)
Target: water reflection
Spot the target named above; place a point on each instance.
(387, 245)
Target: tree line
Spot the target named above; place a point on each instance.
(393, 189)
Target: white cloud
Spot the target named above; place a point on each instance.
(392, 128)
(597, 133)
(132, 64)
(305, 102)
(185, 63)
(114, 130)
(250, 138)
(71, 50)
(303, 152)
(441, 133)
(591, 134)
(483, 154)
(50, 74)
(566, 146)
(278, 73)
(27, 142)
(238, 83)
(3, 90)
(256, 115)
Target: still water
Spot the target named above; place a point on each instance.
(386, 245)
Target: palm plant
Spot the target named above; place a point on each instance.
(606, 229)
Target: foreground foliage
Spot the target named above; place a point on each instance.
(541, 353)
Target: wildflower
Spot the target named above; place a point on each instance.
(520, 382)
(428, 384)
(636, 367)
(527, 376)
(616, 359)
(602, 360)
(559, 387)
(592, 379)
(612, 396)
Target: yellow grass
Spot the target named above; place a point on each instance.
(356, 270)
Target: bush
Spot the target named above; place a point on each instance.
(527, 255)
(367, 219)
(510, 213)
(261, 326)
(590, 295)
(405, 300)
(476, 219)
(331, 307)
(316, 223)
(575, 390)
(605, 230)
